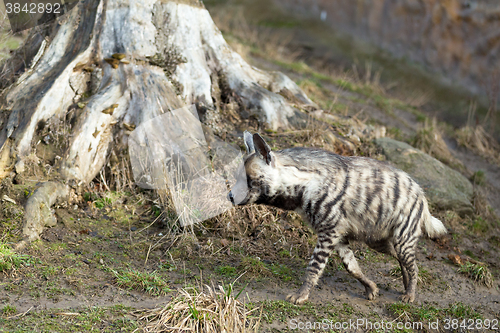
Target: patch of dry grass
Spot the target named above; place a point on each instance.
(429, 140)
(475, 270)
(216, 309)
(478, 272)
(479, 141)
(482, 206)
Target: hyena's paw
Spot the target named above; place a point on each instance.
(371, 291)
(297, 298)
(408, 298)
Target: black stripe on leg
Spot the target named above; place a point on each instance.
(409, 218)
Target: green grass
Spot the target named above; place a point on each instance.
(421, 118)
(92, 319)
(150, 283)
(396, 133)
(10, 260)
(254, 267)
(427, 312)
(284, 253)
(226, 271)
(495, 240)
(460, 310)
(282, 271)
(102, 202)
(423, 313)
(282, 310)
(480, 226)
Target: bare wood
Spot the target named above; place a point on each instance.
(171, 55)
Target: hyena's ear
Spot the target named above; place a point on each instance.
(262, 148)
(247, 136)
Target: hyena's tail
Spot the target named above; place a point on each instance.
(432, 227)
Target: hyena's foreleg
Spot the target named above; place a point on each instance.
(351, 265)
(325, 246)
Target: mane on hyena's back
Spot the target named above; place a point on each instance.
(316, 158)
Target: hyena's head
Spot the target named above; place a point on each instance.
(258, 176)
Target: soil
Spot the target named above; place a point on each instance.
(79, 265)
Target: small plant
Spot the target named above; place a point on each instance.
(421, 117)
(254, 267)
(284, 253)
(480, 225)
(478, 272)
(282, 271)
(156, 210)
(151, 283)
(9, 310)
(227, 271)
(478, 177)
(90, 196)
(395, 133)
(9, 259)
(102, 202)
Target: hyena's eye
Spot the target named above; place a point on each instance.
(253, 183)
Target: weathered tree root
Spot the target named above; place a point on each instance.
(38, 214)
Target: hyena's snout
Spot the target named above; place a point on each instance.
(230, 197)
(238, 195)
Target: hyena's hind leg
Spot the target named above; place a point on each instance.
(325, 246)
(405, 253)
(351, 265)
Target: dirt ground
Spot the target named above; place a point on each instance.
(113, 254)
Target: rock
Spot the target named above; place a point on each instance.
(445, 188)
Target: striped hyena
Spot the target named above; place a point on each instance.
(344, 198)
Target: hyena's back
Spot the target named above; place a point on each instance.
(365, 199)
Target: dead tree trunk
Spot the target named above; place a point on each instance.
(174, 55)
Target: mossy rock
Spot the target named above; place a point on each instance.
(445, 188)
